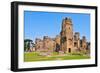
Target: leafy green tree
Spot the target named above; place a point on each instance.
(28, 44)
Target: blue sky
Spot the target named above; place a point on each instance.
(39, 24)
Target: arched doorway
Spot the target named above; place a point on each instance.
(69, 50)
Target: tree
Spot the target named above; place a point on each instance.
(28, 44)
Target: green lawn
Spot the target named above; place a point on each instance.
(34, 56)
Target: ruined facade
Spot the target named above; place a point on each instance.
(38, 44)
(48, 43)
(67, 41)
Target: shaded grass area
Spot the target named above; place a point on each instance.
(34, 56)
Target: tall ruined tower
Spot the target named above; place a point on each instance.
(67, 36)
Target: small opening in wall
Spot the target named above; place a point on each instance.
(69, 50)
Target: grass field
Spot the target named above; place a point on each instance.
(34, 56)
